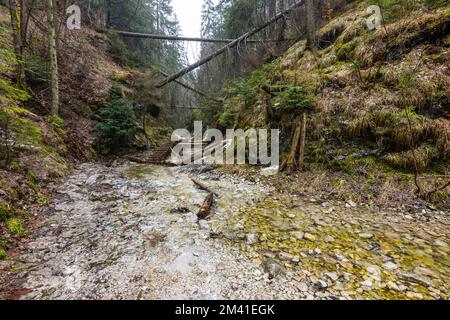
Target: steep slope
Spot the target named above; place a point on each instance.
(381, 102)
(36, 149)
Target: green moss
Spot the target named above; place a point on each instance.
(273, 221)
(16, 227)
(14, 165)
(4, 211)
(57, 124)
(3, 254)
(32, 183)
(41, 200)
(139, 172)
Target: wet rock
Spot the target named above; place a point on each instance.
(332, 275)
(412, 277)
(298, 235)
(272, 268)
(302, 287)
(390, 266)
(440, 243)
(320, 284)
(180, 210)
(310, 237)
(350, 204)
(425, 272)
(252, 238)
(393, 286)
(367, 284)
(414, 295)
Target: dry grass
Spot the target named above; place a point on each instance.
(418, 158)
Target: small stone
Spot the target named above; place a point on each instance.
(321, 284)
(256, 272)
(298, 234)
(393, 286)
(390, 266)
(252, 238)
(367, 283)
(332, 275)
(310, 237)
(302, 287)
(414, 295)
(286, 256)
(411, 277)
(366, 235)
(317, 251)
(272, 267)
(351, 204)
(373, 269)
(329, 239)
(426, 272)
(439, 243)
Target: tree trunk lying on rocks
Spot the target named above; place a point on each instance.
(205, 209)
(204, 187)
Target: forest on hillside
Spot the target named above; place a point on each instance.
(103, 170)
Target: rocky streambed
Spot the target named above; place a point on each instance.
(130, 232)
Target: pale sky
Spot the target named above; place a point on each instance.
(189, 13)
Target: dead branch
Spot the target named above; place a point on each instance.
(205, 209)
(438, 189)
(203, 187)
(186, 86)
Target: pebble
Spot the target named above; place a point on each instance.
(366, 235)
(390, 266)
(439, 243)
(303, 287)
(310, 237)
(332, 275)
(367, 283)
(298, 234)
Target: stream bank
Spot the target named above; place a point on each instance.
(130, 231)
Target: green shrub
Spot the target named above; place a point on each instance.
(117, 126)
(227, 119)
(248, 88)
(57, 123)
(290, 98)
(16, 227)
(37, 69)
(120, 53)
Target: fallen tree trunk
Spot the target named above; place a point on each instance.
(203, 187)
(205, 209)
(176, 38)
(186, 86)
(228, 46)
